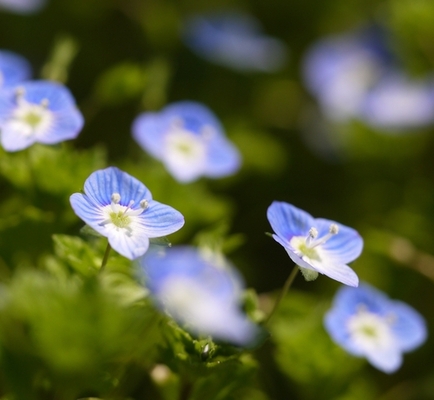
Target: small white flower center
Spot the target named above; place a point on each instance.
(307, 246)
(370, 332)
(30, 118)
(184, 146)
(122, 216)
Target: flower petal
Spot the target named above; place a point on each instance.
(103, 183)
(339, 272)
(89, 212)
(130, 246)
(148, 133)
(67, 124)
(16, 136)
(224, 159)
(343, 247)
(387, 360)
(288, 221)
(160, 220)
(408, 326)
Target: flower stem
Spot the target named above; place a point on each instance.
(283, 292)
(105, 258)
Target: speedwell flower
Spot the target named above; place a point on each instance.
(356, 75)
(121, 208)
(234, 40)
(366, 323)
(316, 245)
(199, 290)
(189, 140)
(37, 111)
(13, 69)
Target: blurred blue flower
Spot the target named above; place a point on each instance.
(189, 140)
(121, 208)
(37, 111)
(366, 323)
(316, 245)
(22, 6)
(356, 75)
(200, 290)
(396, 103)
(13, 69)
(234, 40)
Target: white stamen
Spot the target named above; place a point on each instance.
(45, 103)
(116, 198)
(313, 234)
(130, 204)
(19, 92)
(334, 229)
(144, 204)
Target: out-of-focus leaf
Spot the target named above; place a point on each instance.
(260, 151)
(120, 83)
(77, 254)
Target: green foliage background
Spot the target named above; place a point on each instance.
(67, 332)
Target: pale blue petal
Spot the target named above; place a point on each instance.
(223, 158)
(215, 308)
(13, 140)
(7, 104)
(13, 69)
(343, 247)
(234, 40)
(130, 246)
(408, 326)
(67, 125)
(288, 221)
(103, 183)
(335, 323)
(386, 360)
(339, 272)
(89, 212)
(149, 131)
(59, 97)
(347, 300)
(397, 103)
(160, 220)
(195, 116)
(187, 262)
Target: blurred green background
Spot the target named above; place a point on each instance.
(123, 57)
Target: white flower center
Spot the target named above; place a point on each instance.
(30, 118)
(370, 332)
(308, 246)
(185, 151)
(121, 216)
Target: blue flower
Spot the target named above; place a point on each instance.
(37, 111)
(366, 323)
(13, 69)
(121, 208)
(316, 245)
(22, 6)
(356, 75)
(340, 70)
(200, 290)
(189, 140)
(234, 40)
(397, 103)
